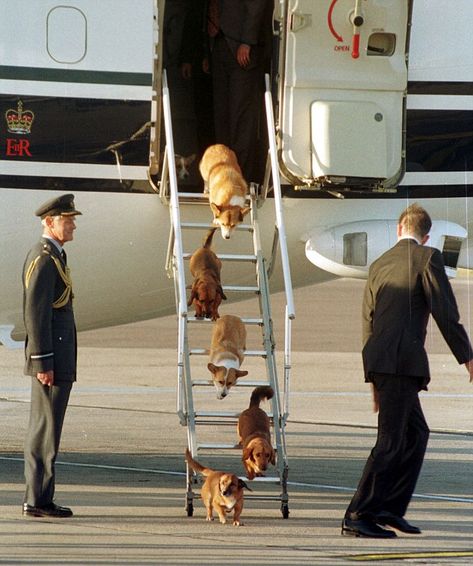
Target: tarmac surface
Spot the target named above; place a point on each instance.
(122, 471)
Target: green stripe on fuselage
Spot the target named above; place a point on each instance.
(74, 76)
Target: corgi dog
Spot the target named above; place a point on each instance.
(225, 187)
(221, 491)
(227, 349)
(182, 165)
(255, 436)
(206, 292)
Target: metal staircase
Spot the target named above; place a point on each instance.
(194, 388)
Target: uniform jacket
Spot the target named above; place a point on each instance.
(48, 316)
(249, 22)
(406, 285)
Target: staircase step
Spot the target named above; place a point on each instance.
(193, 196)
(206, 225)
(219, 414)
(204, 351)
(215, 446)
(241, 288)
(228, 257)
(199, 196)
(240, 383)
(224, 415)
(245, 320)
(237, 288)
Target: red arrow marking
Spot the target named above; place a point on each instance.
(330, 24)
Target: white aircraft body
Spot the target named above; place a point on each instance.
(79, 96)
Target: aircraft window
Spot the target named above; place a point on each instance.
(451, 250)
(440, 140)
(355, 248)
(381, 44)
(66, 30)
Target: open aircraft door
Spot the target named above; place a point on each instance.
(342, 92)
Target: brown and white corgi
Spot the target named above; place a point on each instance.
(225, 187)
(227, 349)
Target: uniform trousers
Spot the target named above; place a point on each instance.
(392, 469)
(237, 97)
(47, 410)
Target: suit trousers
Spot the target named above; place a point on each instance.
(392, 469)
(48, 407)
(237, 99)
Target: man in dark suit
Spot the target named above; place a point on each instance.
(50, 352)
(405, 285)
(241, 40)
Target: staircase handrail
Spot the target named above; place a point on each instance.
(280, 235)
(278, 201)
(175, 216)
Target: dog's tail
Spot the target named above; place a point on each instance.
(195, 465)
(260, 393)
(207, 242)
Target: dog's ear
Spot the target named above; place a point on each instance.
(242, 485)
(215, 209)
(193, 295)
(244, 212)
(246, 454)
(222, 294)
(213, 368)
(190, 159)
(273, 457)
(240, 373)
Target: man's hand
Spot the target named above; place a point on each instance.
(243, 55)
(375, 398)
(186, 71)
(46, 378)
(469, 369)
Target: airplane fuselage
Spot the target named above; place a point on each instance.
(119, 250)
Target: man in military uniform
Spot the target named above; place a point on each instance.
(50, 352)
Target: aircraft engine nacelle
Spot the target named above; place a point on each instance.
(347, 250)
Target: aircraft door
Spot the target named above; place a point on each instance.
(343, 80)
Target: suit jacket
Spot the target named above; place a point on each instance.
(405, 285)
(249, 22)
(48, 316)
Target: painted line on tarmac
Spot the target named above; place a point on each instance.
(458, 432)
(409, 555)
(291, 483)
(418, 495)
(368, 394)
(105, 467)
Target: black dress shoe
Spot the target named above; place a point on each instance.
(390, 520)
(51, 510)
(365, 528)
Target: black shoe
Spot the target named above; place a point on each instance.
(51, 510)
(365, 528)
(390, 520)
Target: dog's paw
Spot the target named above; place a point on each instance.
(209, 518)
(223, 520)
(238, 524)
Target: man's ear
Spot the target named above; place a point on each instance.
(399, 230)
(425, 239)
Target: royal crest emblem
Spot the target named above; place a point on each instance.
(19, 121)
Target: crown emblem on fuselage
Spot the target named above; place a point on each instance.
(19, 121)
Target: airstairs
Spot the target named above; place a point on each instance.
(211, 423)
